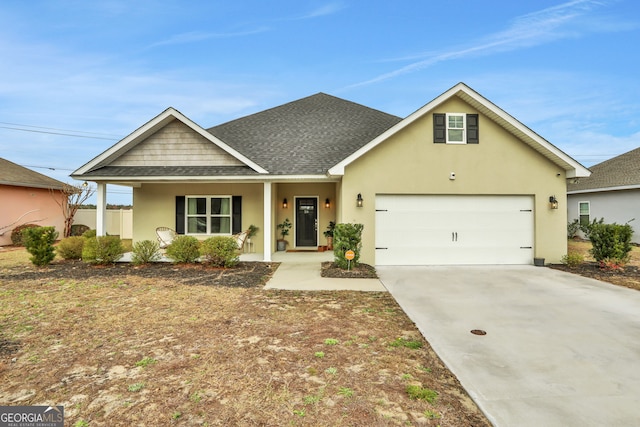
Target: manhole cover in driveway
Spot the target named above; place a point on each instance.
(478, 332)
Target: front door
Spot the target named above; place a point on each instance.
(306, 221)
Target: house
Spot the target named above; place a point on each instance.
(611, 192)
(459, 181)
(28, 197)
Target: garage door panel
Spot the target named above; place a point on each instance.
(423, 230)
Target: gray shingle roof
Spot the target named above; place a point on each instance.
(12, 174)
(304, 137)
(175, 171)
(620, 171)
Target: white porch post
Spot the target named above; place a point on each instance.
(101, 209)
(268, 245)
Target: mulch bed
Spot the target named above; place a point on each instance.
(244, 275)
(628, 276)
(361, 271)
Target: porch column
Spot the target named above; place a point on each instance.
(267, 222)
(101, 209)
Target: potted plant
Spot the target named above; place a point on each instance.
(284, 228)
(329, 234)
(251, 231)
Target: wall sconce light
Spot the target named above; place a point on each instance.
(359, 200)
(553, 202)
(284, 203)
(327, 203)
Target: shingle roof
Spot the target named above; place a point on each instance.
(304, 137)
(620, 171)
(12, 174)
(174, 171)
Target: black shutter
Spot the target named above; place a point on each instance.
(180, 214)
(473, 134)
(236, 214)
(439, 128)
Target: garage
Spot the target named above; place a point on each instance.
(454, 229)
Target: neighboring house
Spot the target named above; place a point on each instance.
(28, 197)
(459, 181)
(611, 192)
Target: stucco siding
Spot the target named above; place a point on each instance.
(38, 204)
(155, 206)
(410, 163)
(614, 206)
(176, 145)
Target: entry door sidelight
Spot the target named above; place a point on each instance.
(306, 221)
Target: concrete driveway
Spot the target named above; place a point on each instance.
(559, 349)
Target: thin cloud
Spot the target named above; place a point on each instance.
(328, 9)
(544, 26)
(197, 36)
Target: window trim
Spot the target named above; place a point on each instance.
(208, 213)
(464, 128)
(588, 203)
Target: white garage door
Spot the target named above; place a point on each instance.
(444, 230)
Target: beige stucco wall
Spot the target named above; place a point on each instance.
(17, 201)
(290, 191)
(410, 163)
(154, 206)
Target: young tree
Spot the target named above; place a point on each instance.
(74, 195)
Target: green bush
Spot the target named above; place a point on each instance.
(572, 259)
(39, 243)
(611, 242)
(573, 228)
(588, 226)
(16, 234)
(79, 229)
(145, 252)
(347, 237)
(102, 250)
(71, 247)
(220, 251)
(89, 234)
(184, 249)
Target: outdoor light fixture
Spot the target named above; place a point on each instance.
(327, 204)
(359, 200)
(284, 203)
(553, 202)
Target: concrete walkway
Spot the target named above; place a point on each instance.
(559, 349)
(300, 271)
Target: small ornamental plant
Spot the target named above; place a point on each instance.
(184, 249)
(39, 243)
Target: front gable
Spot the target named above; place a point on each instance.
(474, 110)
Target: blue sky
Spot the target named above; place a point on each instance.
(98, 70)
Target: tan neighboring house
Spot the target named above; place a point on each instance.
(27, 198)
(459, 181)
(611, 192)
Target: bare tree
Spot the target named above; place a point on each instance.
(73, 197)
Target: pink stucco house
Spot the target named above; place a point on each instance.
(28, 197)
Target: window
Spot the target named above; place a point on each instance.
(584, 210)
(208, 215)
(455, 128)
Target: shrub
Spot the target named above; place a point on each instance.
(16, 234)
(572, 259)
(39, 242)
(611, 242)
(79, 229)
(573, 228)
(184, 249)
(89, 234)
(71, 247)
(588, 226)
(145, 252)
(102, 250)
(220, 251)
(347, 237)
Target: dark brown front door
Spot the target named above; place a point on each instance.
(306, 221)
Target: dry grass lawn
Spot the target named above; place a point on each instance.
(126, 350)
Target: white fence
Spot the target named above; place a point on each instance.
(119, 222)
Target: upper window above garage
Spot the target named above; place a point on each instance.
(455, 128)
